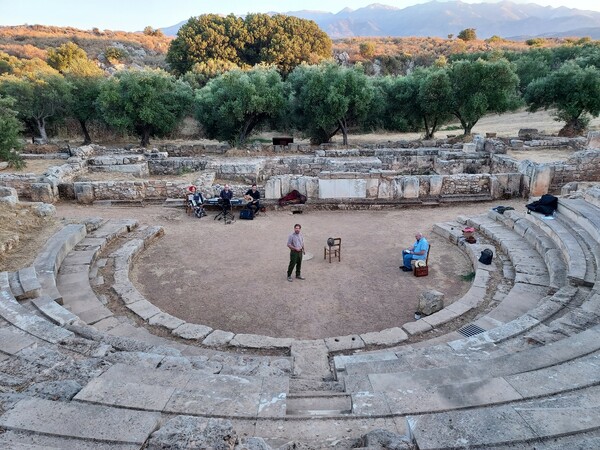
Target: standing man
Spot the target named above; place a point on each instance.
(417, 251)
(253, 197)
(296, 245)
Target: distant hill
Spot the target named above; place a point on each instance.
(440, 19)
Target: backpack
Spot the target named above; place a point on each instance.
(546, 205)
(486, 257)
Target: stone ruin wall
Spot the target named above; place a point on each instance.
(373, 172)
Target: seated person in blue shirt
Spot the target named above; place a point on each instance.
(417, 251)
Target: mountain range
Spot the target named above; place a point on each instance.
(505, 19)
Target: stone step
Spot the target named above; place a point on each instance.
(546, 247)
(322, 404)
(51, 256)
(576, 253)
(520, 424)
(188, 391)
(404, 375)
(80, 421)
(22, 318)
(15, 440)
(583, 213)
(53, 311)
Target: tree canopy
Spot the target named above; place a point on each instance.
(10, 127)
(70, 58)
(148, 102)
(574, 92)
(481, 87)
(258, 38)
(328, 98)
(233, 105)
(38, 98)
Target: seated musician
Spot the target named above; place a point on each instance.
(252, 195)
(226, 196)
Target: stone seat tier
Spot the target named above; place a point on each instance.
(20, 440)
(24, 283)
(583, 213)
(403, 374)
(517, 425)
(535, 257)
(51, 256)
(190, 392)
(580, 261)
(80, 421)
(73, 277)
(22, 318)
(534, 310)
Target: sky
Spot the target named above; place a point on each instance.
(134, 15)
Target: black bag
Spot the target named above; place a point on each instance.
(246, 214)
(546, 205)
(486, 257)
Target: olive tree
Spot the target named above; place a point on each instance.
(233, 105)
(147, 102)
(327, 99)
(10, 127)
(573, 91)
(39, 98)
(481, 87)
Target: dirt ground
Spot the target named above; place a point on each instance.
(233, 277)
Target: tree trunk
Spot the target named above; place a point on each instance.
(344, 129)
(41, 125)
(86, 136)
(572, 128)
(145, 137)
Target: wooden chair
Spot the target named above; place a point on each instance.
(334, 250)
(423, 270)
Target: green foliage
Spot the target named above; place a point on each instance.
(84, 93)
(115, 55)
(148, 102)
(468, 34)
(281, 40)
(149, 31)
(233, 105)
(574, 92)
(10, 127)
(481, 87)
(367, 49)
(39, 99)
(535, 42)
(328, 98)
(70, 58)
(203, 72)
(23, 67)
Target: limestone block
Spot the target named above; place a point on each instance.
(516, 143)
(398, 187)
(541, 179)
(273, 188)
(312, 187)
(8, 192)
(42, 192)
(411, 187)
(84, 192)
(44, 210)
(342, 188)
(385, 189)
(469, 148)
(435, 185)
(431, 302)
(593, 140)
(372, 187)
(479, 142)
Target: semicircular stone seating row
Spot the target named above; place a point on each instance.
(531, 376)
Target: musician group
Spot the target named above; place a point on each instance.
(252, 197)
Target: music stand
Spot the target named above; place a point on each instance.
(226, 214)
